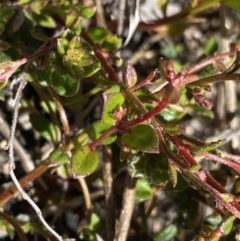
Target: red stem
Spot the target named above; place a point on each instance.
(210, 60)
(162, 104)
(213, 157)
(106, 134)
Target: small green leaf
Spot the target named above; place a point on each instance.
(159, 176)
(141, 137)
(168, 114)
(39, 36)
(94, 221)
(91, 69)
(210, 46)
(173, 173)
(97, 34)
(75, 51)
(110, 43)
(56, 61)
(143, 190)
(64, 85)
(208, 147)
(167, 233)
(58, 157)
(68, 34)
(44, 77)
(6, 13)
(111, 102)
(46, 21)
(195, 168)
(182, 184)
(214, 220)
(62, 44)
(97, 129)
(84, 161)
(172, 129)
(87, 12)
(43, 126)
(227, 225)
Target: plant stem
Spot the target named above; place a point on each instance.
(108, 191)
(214, 79)
(127, 208)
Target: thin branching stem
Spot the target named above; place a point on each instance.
(10, 148)
(26, 162)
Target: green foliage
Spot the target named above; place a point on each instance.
(232, 4)
(5, 13)
(58, 157)
(113, 99)
(97, 129)
(84, 161)
(143, 190)
(44, 126)
(98, 117)
(141, 137)
(167, 233)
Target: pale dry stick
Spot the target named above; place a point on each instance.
(134, 21)
(122, 7)
(100, 14)
(121, 15)
(127, 208)
(12, 161)
(230, 86)
(26, 163)
(228, 134)
(108, 191)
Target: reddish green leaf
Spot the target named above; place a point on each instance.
(7, 68)
(130, 75)
(141, 137)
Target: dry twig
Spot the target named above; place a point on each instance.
(127, 209)
(10, 148)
